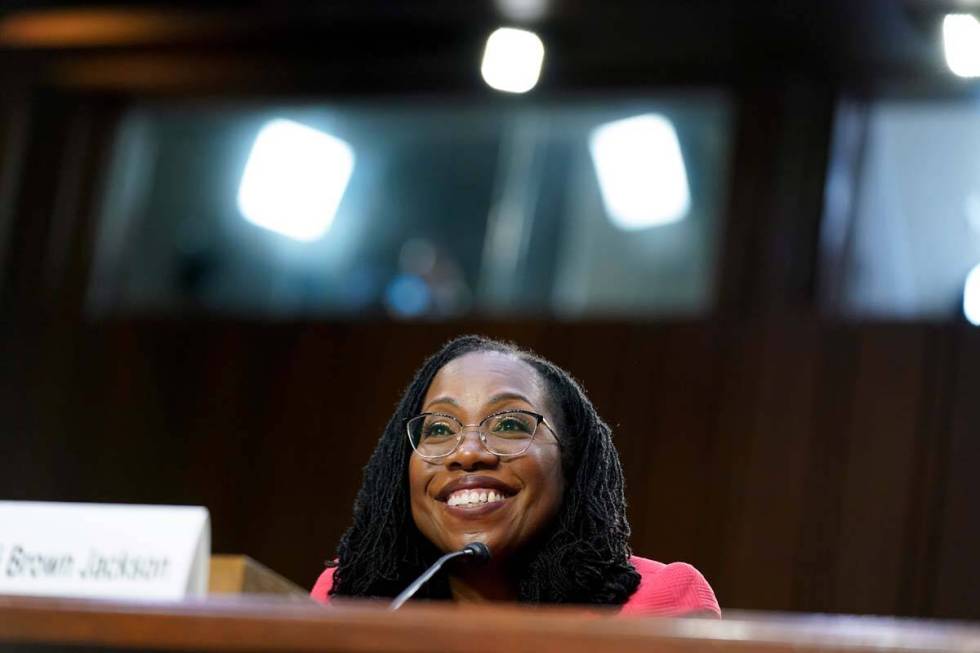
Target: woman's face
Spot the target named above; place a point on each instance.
(528, 487)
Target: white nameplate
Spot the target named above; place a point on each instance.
(103, 550)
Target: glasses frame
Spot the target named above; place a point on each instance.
(482, 432)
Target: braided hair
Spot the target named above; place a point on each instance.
(585, 557)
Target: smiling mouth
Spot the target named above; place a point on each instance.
(474, 494)
(474, 497)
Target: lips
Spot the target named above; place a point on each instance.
(474, 482)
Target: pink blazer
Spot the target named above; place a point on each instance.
(665, 590)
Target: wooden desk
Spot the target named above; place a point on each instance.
(238, 574)
(249, 623)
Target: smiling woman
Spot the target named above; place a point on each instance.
(494, 444)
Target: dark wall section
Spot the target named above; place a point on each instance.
(800, 466)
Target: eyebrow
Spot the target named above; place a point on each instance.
(496, 399)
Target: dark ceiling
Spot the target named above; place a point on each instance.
(425, 46)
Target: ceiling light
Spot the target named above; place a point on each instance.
(294, 180)
(512, 60)
(971, 296)
(641, 172)
(961, 40)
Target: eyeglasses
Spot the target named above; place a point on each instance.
(508, 433)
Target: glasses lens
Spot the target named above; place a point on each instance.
(510, 433)
(433, 435)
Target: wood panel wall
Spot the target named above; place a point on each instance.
(799, 465)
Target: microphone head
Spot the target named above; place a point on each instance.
(477, 551)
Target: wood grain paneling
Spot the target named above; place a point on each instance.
(955, 585)
(800, 465)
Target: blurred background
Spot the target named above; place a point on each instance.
(230, 232)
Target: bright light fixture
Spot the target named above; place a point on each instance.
(294, 179)
(961, 40)
(512, 60)
(971, 296)
(641, 171)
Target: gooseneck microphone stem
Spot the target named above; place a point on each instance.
(477, 551)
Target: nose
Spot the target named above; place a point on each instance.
(471, 454)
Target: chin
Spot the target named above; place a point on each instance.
(454, 540)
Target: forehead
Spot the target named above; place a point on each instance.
(474, 378)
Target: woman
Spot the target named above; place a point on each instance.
(494, 444)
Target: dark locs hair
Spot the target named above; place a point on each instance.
(584, 558)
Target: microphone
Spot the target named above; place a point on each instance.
(477, 551)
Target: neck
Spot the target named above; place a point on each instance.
(488, 583)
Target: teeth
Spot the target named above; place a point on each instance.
(473, 497)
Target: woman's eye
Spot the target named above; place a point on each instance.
(512, 425)
(438, 430)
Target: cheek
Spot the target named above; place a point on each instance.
(417, 480)
(421, 508)
(547, 475)
(557, 485)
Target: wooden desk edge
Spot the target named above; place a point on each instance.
(249, 623)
